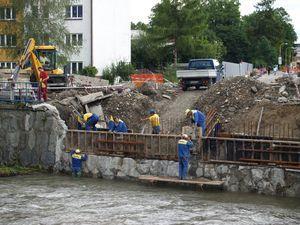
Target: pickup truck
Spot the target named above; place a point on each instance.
(200, 72)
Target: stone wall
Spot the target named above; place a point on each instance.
(262, 180)
(31, 136)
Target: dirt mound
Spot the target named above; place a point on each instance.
(130, 107)
(234, 96)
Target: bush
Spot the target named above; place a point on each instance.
(89, 71)
(170, 74)
(120, 69)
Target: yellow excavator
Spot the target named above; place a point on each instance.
(44, 56)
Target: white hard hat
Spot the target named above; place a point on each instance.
(185, 136)
(187, 111)
(77, 151)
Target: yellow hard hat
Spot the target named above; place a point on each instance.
(187, 111)
(77, 151)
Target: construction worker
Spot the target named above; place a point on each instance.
(43, 84)
(80, 122)
(120, 126)
(90, 120)
(154, 120)
(43, 59)
(184, 146)
(111, 123)
(77, 159)
(198, 120)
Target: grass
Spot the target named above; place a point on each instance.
(7, 171)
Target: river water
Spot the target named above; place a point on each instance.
(46, 199)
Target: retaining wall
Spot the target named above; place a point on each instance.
(257, 179)
(31, 136)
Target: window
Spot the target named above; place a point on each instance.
(74, 39)
(7, 14)
(7, 65)
(7, 40)
(74, 12)
(76, 67)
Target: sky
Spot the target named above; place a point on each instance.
(140, 10)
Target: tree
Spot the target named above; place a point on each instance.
(270, 26)
(44, 20)
(180, 26)
(224, 20)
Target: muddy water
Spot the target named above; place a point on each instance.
(43, 199)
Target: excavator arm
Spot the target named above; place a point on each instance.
(28, 56)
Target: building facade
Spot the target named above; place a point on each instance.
(8, 35)
(101, 28)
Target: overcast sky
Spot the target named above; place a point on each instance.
(141, 10)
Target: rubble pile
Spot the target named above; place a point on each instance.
(130, 107)
(231, 96)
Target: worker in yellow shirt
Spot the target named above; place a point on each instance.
(154, 120)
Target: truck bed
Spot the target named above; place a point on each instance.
(196, 73)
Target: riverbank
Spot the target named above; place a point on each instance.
(9, 171)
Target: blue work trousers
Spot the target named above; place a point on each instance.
(76, 171)
(183, 167)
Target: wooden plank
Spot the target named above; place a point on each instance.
(174, 180)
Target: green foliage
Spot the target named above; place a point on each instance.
(183, 29)
(89, 71)
(139, 26)
(120, 69)
(170, 74)
(224, 20)
(6, 171)
(270, 26)
(44, 20)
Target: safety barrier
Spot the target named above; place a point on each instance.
(209, 149)
(140, 79)
(14, 92)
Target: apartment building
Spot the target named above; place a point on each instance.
(101, 28)
(8, 35)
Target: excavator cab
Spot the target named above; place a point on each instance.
(47, 55)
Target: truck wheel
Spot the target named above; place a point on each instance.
(210, 82)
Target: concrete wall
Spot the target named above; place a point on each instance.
(31, 136)
(262, 180)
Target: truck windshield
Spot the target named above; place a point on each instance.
(201, 64)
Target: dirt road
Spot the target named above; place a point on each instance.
(173, 114)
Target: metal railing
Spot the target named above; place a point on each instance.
(270, 130)
(208, 149)
(14, 92)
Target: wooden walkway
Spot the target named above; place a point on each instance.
(203, 183)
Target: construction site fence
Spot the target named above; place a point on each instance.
(18, 92)
(208, 149)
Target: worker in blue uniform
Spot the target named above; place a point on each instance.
(90, 119)
(198, 119)
(77, 159)
(184, 146)
(120, 126)
(110, 123)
